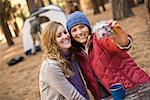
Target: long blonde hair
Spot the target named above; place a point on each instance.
(51, 49)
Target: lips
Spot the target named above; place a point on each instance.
(82, 37)
(66, 41)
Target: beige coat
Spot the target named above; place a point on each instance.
(54, 85)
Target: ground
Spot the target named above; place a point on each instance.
(20, 82)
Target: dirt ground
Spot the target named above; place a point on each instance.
(20, 82)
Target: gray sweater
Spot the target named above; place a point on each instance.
(54, 85)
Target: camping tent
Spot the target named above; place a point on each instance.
(46, 14)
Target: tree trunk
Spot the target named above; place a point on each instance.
(121, 9)
(102, 4)
(140, 1)
(147, 3)
(6, 31)
(32, 6)
(95, 7)
(69, 7)
(76, 5)
(16, 29)
(40, 3)
(50, 2)
(15, 26)
(131, 3)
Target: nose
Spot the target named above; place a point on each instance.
(79, 31)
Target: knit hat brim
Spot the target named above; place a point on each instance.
(76, 18)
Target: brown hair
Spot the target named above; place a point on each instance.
(51, 49)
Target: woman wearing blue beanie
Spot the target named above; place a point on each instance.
(104, 60)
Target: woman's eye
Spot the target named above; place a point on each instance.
(74, 30)
(58, 35)
(65, 32)
(82, 26)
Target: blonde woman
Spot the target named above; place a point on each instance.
(59, 77)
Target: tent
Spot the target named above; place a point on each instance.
(46, 14)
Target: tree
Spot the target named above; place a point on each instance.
(6, 31)
(5, 11)
(95, 7)
(140, 1)
(147, 3)
(39, 3)
(102, 3)
(15, 26)
(76, 5)
(121, 9)
(21, 14)
(50, 2)
(14, 23)
(131, 3)
(69, 4)
(32, 6)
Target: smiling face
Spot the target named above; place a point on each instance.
(63, 39)
(80, 33)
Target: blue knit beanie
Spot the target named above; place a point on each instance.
(76, 18)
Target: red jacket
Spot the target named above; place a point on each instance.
(89, 75)
(110, 64)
